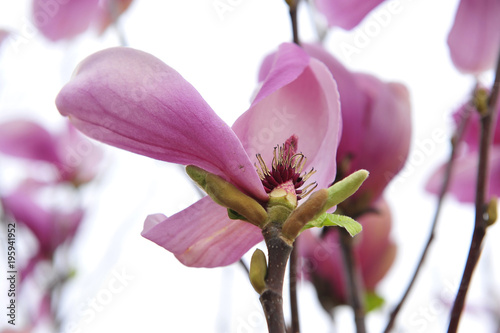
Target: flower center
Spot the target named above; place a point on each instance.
(286, 169)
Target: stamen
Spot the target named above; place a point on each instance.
(286, 167)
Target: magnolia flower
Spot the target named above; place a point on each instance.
(464, 175)
(346, 14)
(74, 156)
(58, 20)
(474, 39)
(51, 227)
(368, 140)
(132, 100)
(373, 249)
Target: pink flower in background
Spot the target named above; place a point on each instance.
(474, 39)
(132, 100)
(74, 156)
(464, 176)
(346, 14)
(64, 20)
(374, 251)
(51, 226)
(376, 134)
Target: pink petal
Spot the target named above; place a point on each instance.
(202, 235)
(26, 139)
(377, 138)
(305, 104)
(63, 19)
(474, 39)
(464, 177)
(79, 156)
(132, 100)
(346, 13)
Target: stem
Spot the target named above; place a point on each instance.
(292, 5)
(444, 188)
(272, 298)
(354, 285)
(480, 224)
(293, 292)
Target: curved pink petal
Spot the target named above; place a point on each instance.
(353, 99)
(376, 138)
(202, 235)
(464, 177)
(474, 39)
(346, 14)
(308, 107)
(63, 19)
(26, 139)
(132, 100)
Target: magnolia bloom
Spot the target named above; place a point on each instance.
(376, 134)
(132, 100)
(464, 175)
(345, 14)
(474, 39)
(58, 20)
(373, 249)
(75, 158)
(51, 227)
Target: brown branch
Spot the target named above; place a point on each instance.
(481, 223)
(272, 298)
(354, 286)
(293, 292)
(444, 188)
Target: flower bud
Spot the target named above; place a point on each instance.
(304, 213)
(228, 195)
(258, 271)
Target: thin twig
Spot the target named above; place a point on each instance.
(480, 224)
(354, 285)
(444, 188)
(292, 5)
(293, 292)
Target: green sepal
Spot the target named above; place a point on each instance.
(373, 301)
(335, 220)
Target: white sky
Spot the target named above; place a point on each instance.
(220, 57)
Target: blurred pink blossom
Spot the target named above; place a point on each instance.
(376, 134)
(374, 252)
(474, 39)
(464, 175)
(346, 14)
(74, 156)
(151, 110)
(58, 20)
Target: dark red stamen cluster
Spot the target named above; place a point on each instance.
(286, 167)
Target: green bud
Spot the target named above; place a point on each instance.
(304, 213)
(481, 98)
(228, 195)
(258, 271)
(343, 189)
(492, 211)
